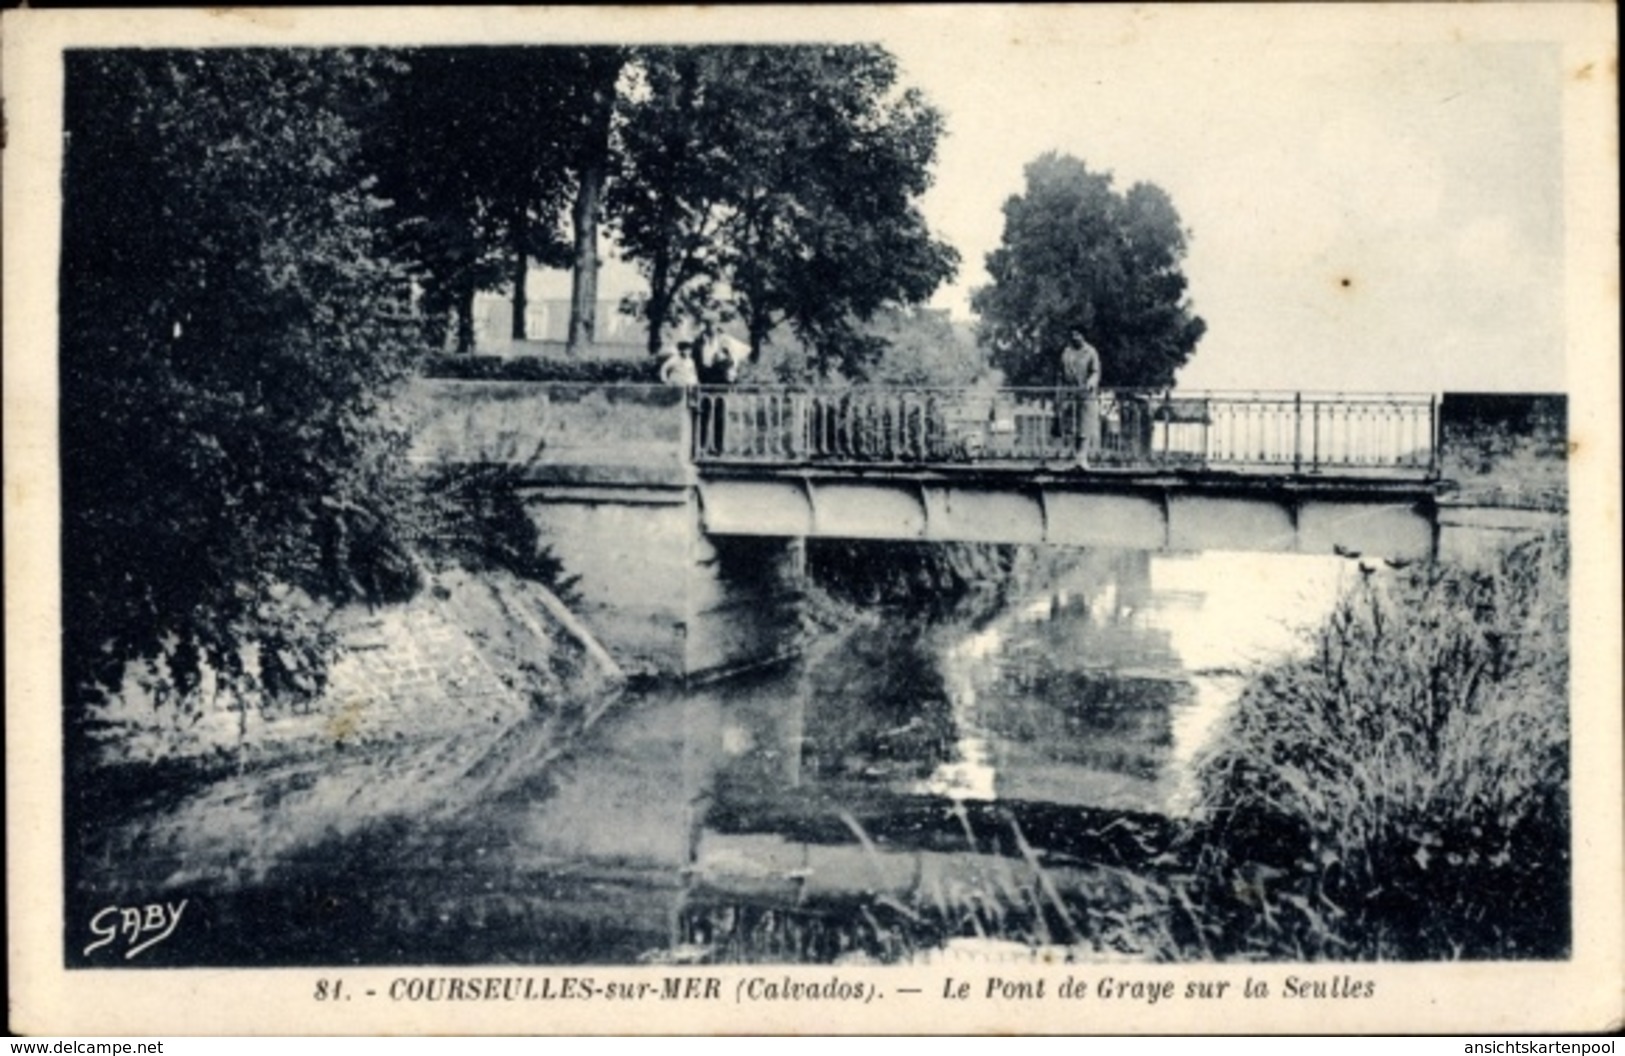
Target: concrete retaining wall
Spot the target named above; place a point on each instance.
(603, 434)
(605, 475)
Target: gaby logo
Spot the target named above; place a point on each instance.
(138, 927)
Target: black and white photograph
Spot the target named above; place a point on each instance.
(674, 520)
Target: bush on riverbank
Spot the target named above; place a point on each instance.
(1403, 791)
(1513, 460)
(540, 368)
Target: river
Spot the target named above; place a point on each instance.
(910, 780)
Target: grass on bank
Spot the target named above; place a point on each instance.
(1403, 791)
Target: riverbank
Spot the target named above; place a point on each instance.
(429, 706)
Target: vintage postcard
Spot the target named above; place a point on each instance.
(1005, 519)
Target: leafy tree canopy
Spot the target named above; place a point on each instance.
(913, 346)
(778, 186)
(926, 348)
(1078, 257)
(230, 328)
(479, 150)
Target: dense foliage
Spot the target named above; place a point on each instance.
(230, 329)
(1505, 450)
(479, 150)
(773, 185)
(1079, 257)
(925, 348)
(913, 346)
(778, 186)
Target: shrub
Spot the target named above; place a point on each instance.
(473, 517)
(1403, 791)
(537, 368)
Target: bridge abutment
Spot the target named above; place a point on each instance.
(661, 595)
(605, 476)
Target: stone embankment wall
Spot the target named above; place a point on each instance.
(432, 706)
(469, 652)
(472, 648)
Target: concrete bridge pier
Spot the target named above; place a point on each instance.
(662, 596)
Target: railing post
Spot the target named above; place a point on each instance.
(1167, 424)
(1207, 431)
(1314, 458)
(1433, 435)
(697, 401)
(688, 438)
(900, 425)
(1297, 433)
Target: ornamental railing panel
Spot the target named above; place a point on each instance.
(1113, 429)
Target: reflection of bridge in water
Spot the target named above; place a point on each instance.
(684, 512)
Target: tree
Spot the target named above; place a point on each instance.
(427, 150)
(668, 192)
(780, 184)
(1077, 257)
(230, 331)
(924, 348)
(600, 69)
(475, 155)
(914, 346)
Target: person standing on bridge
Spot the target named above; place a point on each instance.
(1080, 378)
(714, 358)
(717, 354)
(677, 367)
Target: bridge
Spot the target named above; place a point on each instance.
(1148, 470)
(684, 511)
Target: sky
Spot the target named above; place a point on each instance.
(1376, 194)
(1373, 215)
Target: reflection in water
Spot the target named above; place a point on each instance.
(1079, 705)
(1067, 697)
(1101, 690)
(814, 813)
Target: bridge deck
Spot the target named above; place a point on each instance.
(1008, 472)
(1304, 472)
(1134, 509)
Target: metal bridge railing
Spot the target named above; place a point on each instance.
(1285, 432)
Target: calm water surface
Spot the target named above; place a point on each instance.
(899, 758)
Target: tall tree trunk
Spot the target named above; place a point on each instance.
(465, 315)
(758, 317)
(593, 165)
(655, 311)
(584, 272)
(435, 320)
(521, 270)
(761, 324)
(659, 303)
